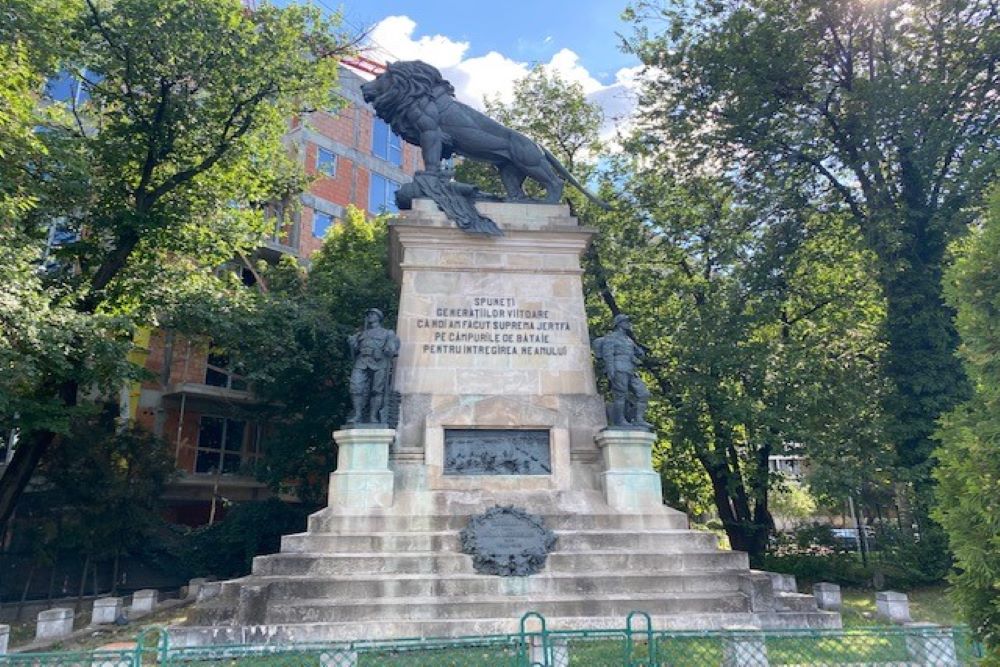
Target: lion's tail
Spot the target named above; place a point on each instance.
(569, 178)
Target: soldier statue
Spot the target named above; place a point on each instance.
(620, 356)
(373, 351)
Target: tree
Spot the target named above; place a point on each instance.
(103, 487)
(887, 110)
(290, 342)
(553, 112)
(758, 316)
(968, 470)
(158, 177)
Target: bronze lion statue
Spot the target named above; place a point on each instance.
(420, 106)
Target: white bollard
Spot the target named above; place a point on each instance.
(4, 638)
(827, 596)
(931, 646)
(144, 602)
(105, 611)
(54, 623)
(892, 606)
(744, 648)
(338, 658)
(559, 652)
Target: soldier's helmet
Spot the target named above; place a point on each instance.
(376, 311)
(619, 318)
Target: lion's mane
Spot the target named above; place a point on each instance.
(403, 86)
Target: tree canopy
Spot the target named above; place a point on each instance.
(885, 110)
(150, 175)
(968, 470)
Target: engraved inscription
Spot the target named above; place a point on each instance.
(497, 452)
(495, 325)
(507, 541)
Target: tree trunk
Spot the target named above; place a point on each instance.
(15, 478)
(926, 375)
(24, 592)
(27, 455)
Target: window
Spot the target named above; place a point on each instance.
(382, 195)
(220, 445)
(217, 373)
(321, 223)
(386, 144)
(326, 162)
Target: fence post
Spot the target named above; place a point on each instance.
(4, 638)
(930, 645)
(744, 648)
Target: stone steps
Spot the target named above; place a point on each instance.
(664, 541)
(799, 602)
(183, 636)
(323, 610)
(324, 522)
(416, 562)
(408, 586)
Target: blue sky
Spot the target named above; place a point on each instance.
(483, 47)
(522, 30)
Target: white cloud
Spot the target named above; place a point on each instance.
(392, 37)
(493, 74)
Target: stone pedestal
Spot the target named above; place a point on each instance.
(105, 611)
(498, 407)
(630, 484)
(144, 601)
(932, 646)
(363, 479)
(494, 336)
(827, 596)
(54, 623)
(892, 606)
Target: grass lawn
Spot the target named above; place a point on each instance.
(929, 604)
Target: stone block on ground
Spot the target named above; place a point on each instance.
(105, 611)
(744, 648)
(209, 590)
(827, 596)
(144, 601)
(4, 638)
(194, 586)
(892, 606)
(783, 583)
(54, 623)
(931, 646)
(558, 652)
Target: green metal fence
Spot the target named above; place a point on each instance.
(637, 644)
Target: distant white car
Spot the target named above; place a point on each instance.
(849, 536)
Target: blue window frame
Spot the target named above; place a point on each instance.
(386, 144)
(326, 162)
(382, 195)
(321, 223)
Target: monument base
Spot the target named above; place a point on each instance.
(363, 480)
(498, 407)
(629, 482)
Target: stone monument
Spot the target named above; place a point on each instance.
(499, 408)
